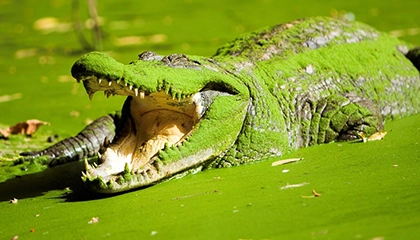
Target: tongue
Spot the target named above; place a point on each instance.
(154, 130)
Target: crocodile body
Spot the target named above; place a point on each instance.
(293, 85)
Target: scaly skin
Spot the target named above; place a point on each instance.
(293, 85)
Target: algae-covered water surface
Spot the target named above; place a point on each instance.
(337, 191)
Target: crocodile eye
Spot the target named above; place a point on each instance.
(149, 56)
(179, 61)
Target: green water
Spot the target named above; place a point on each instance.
(369, 191)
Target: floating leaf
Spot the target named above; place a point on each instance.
(285, 161)
(377, 136)
(374, 137)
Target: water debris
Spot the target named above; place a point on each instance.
(11, 97)
(294, 185)
(51, 24)
(405, 32)
(377, 136)
(28, 127)
(374, 137)
(94, 220)
(139, 40)
(285, 161)
(24, 53)
(315, 194)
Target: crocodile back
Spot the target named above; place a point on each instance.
(290, 69)
(285, 40)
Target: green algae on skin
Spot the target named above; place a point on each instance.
(100, 63)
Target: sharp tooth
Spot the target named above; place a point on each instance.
(90, 93)
(87, 166)
(141, 94)
(127, 168)
(99, 80)
(110, 83)
(130, 87)
(99, 155)
(111, 183)
(136, 91)
(102, 182)
(84, 177)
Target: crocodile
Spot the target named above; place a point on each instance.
(297, 84)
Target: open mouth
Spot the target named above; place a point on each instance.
(151, 122)
(180, 115)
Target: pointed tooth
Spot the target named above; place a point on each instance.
(102, 182)
(99, 155)
(130, 87)
(99, 80)
(87, 166)
(90, 93)
(86, 176)
(136, 91)
(141, 95)
(127, 168)
(111, 183)
(110, 83)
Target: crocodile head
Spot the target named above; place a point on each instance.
(180, 114)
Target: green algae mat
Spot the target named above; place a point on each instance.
(349, 190)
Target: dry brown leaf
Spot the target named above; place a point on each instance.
(28, 128)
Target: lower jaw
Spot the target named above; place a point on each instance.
(144, 138)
